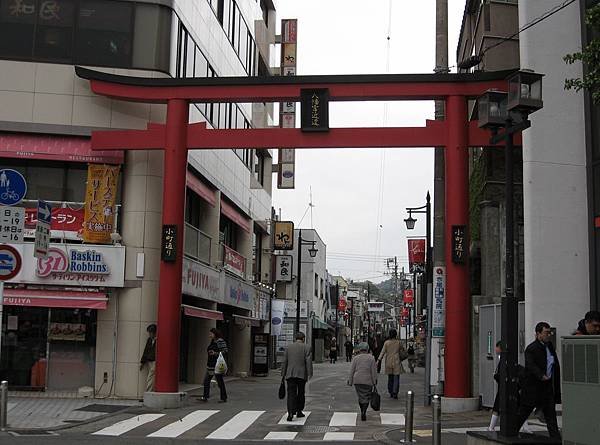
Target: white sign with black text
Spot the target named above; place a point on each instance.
(283, 268)
(12, 223)
(42, 229)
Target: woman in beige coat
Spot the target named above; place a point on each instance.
(394, 354)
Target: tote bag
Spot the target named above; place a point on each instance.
(375, 399)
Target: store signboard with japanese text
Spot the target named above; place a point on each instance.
(66, 223)
(283, 235)
(286, 173)
(439, 302)
(234, 262)
(375, 306)
(416, 254)
(290, 309)
(283, 268)
(100, 196)
(201, 281)
(73, 265)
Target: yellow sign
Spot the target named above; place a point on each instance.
(100, 197)
(283, 235)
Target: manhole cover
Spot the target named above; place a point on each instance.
(319, 429)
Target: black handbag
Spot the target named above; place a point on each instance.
(282, 389)
(375, 399)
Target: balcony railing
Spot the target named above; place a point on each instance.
(197, 244)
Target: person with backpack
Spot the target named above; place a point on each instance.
(217, 346)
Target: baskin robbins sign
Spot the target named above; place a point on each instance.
(73, 265)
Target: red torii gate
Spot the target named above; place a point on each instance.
(177, 136)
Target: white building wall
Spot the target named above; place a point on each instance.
(554, 176)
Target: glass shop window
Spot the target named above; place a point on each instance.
(17, 24)
(54, 31)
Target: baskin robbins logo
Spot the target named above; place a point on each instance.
(88, 262)
(238, 294)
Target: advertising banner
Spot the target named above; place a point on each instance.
(409, 296)
(290, 309)
(439, 297)
(375, 306)
(66, 222)
(234, 262)
(277, 307)
(100, 195)
(416, 254)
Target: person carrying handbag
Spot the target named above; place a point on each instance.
(363, 375)
(217, 346)
(394, 353)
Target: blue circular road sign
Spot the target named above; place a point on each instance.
(13, 187)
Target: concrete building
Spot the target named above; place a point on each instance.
(556, 262)
(45, 122)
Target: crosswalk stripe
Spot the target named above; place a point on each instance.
(296, 421)
(281, 435)
(181, 426)
(127, 425)
(392, 419)
(236, 425)
(343, 419)
(338, 436)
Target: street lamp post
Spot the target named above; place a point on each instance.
(410, 224)
(509, 112)
(313, 253)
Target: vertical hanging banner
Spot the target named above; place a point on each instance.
(286, 173)
(439, 302)
(277, 307)
(416, 254)
(100, 195)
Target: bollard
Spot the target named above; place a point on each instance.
(3, 404)
(408, 427)
(436, 433)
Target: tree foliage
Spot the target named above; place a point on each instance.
(590, 57)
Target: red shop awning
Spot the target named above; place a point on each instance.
(55, 148)
(201, 313)
(198, 187)
(55, 298)
(233, 214)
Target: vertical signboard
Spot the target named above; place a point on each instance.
(42, 229)
(283, 268)
(314, 110)
(168, 245)
(416, 254)
(283, 236)
(439, 298)
(100, 195)
(286, 173)
(459, 244)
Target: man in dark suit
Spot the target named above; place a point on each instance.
(541, 384)
(296, 369)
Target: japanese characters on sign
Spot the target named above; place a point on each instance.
(100, 198)
(375, 306)
(286, 173)
(416, 254)
(314, 109)
(234, 262)
(439, 297)
(168, 251)
(283, 235)
(63, 218)
(459, 253)
(283, 268)
(12, 221)
(42, 229)
(409, 296)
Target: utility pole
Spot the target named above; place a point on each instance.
(337, 303)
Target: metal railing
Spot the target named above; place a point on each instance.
(197, 244)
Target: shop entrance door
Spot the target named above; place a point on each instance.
(24, 341)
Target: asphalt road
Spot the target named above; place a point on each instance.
(254, 413)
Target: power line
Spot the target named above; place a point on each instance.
(534, 22)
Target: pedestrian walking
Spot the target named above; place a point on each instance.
(363, 375)
(496, 408)
(394, 353)
(148, 359)
(216, 346)
(333, 351)
(349, 350)
(296, 370)
(590, 325)
(376, 347)
(541, 383)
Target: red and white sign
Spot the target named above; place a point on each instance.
(10, 262)
(409, 296)
(342, 304)
(234, 262)
(66, 223)
(416, 254)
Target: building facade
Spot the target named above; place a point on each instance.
(45, 123)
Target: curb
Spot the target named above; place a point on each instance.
(382, 437)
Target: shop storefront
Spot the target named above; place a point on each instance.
(50, 315)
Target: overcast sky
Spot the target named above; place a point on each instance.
(360, 221)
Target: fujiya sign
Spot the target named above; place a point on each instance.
(201, 281)
(74, 265)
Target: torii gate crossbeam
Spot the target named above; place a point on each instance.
(177, 136)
